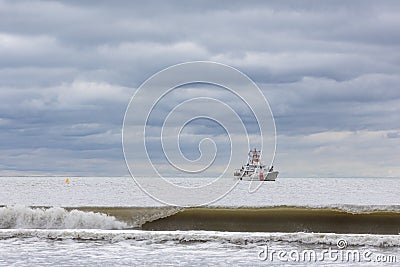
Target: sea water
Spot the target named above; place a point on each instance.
(65, 233)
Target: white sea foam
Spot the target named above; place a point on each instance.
(239, 238)
(350, 208)
(55, 218)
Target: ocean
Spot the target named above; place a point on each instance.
(105, 221)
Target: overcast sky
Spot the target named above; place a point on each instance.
(329, 69)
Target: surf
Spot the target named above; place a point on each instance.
(335, 219)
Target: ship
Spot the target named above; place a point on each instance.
(254, 170)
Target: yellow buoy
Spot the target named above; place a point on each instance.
(67, 180)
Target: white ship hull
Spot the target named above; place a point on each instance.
(269, 176)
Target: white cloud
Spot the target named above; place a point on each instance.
(339, 154)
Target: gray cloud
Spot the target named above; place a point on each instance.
(69, 68)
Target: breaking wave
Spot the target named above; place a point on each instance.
(22, 217)
(333, 219)
(55, 218)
